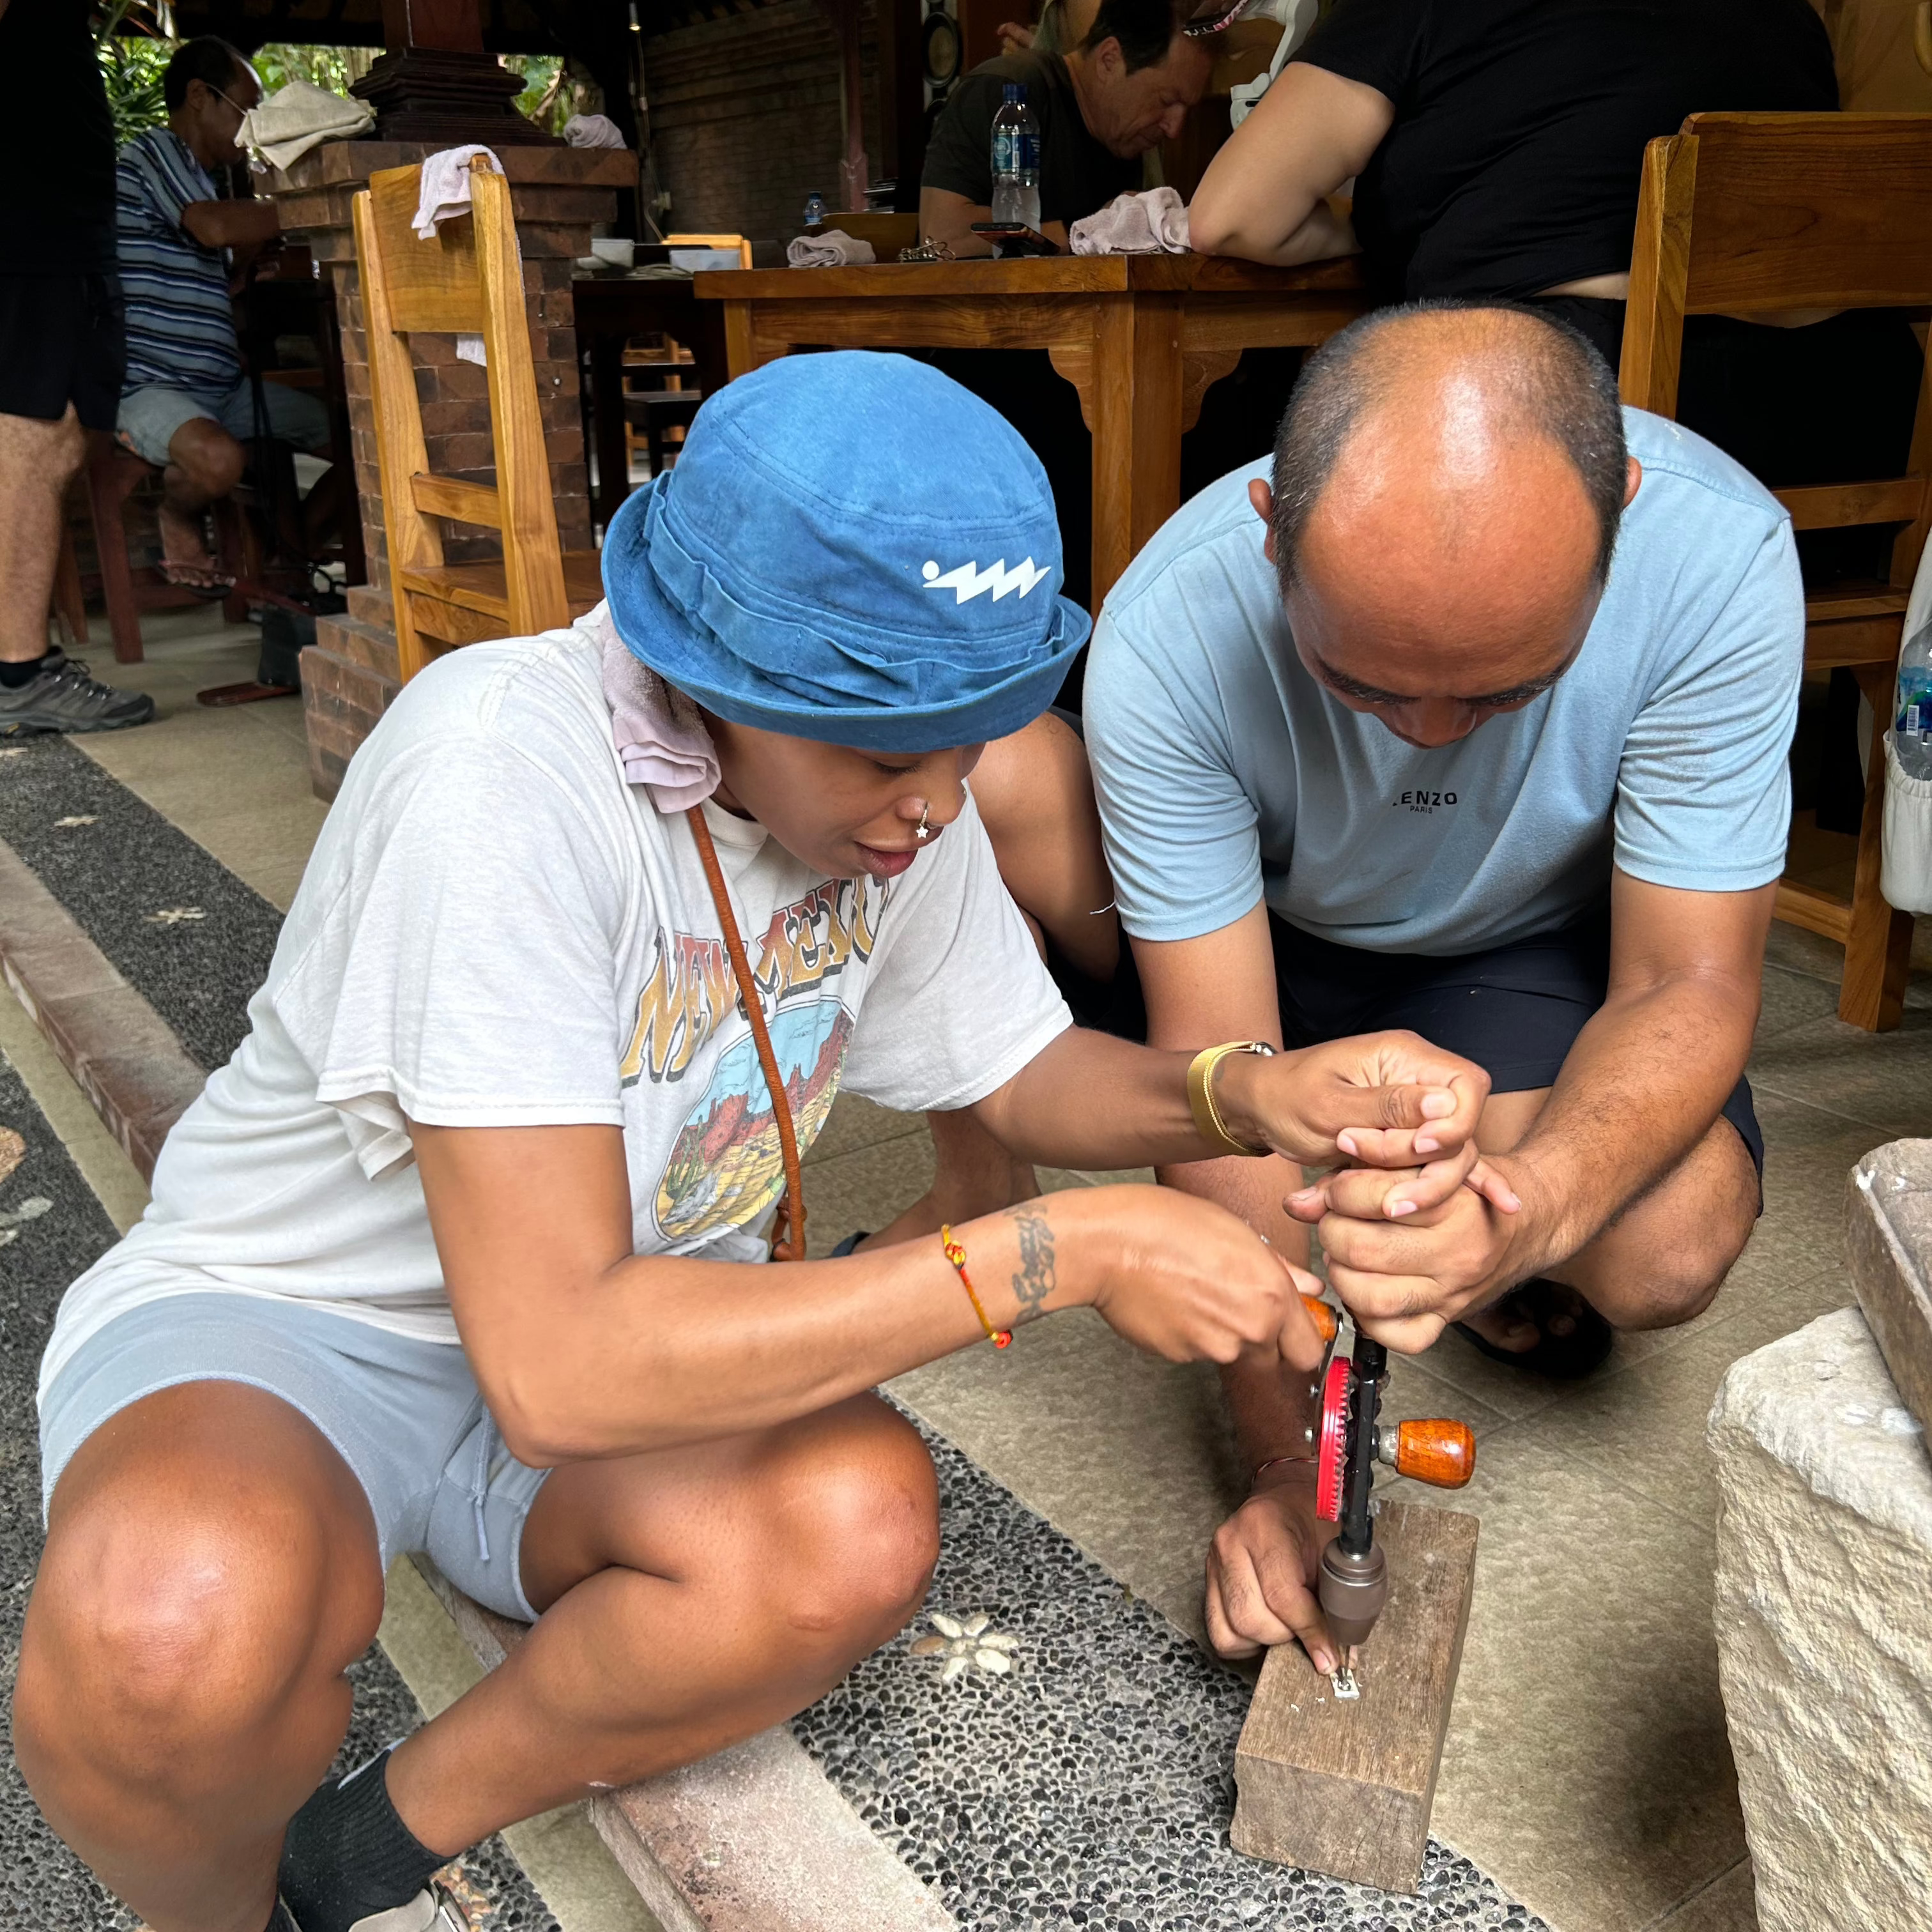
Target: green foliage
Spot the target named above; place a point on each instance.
(337, 69)
(546, 97)
(129, 43)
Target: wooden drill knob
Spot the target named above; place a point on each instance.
(1439, 1451)
(1327, 1324)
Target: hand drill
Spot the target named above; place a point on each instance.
(1350, 1441)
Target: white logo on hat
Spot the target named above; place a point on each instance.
(969, 580)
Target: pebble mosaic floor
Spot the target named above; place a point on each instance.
(1089, 1784)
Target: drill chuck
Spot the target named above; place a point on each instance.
(1353, 1589)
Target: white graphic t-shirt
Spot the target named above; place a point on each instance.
(496, 930)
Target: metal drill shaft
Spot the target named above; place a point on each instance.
(1371, 1362)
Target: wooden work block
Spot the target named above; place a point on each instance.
(1345, 1788)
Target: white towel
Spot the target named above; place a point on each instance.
(661, 739)
(592, 130)
(830, 248)
(446, 187)
(445, 195)
(1151, 223)
(283, 127)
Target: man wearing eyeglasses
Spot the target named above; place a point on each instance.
(187, 407)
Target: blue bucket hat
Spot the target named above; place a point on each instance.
(854, 549)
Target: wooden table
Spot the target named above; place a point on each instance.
(608, 310)
(1140, 336)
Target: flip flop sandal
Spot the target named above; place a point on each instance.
(1563, 1358)
(851, 1242)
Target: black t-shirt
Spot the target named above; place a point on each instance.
(1077, 175)
(1514, 159)
(56, 144)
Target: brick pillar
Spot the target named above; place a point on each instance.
(557, 193)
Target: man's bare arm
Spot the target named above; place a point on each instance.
(1263, 197)
(232, 224)
(1642, 1085)
(1221, 986)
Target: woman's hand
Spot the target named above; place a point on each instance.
(1183, 1278)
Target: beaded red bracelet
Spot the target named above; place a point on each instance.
(1001, 1338)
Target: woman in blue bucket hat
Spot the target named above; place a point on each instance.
(466, 1252)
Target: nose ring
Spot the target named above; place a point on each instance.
(922, 831)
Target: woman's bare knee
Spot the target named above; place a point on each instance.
(853, 1520)
(180, 1606)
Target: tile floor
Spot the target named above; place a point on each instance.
(1587, 1768)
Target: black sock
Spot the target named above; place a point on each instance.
(347, 1855)
(14, 676)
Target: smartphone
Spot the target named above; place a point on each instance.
(1011, 237)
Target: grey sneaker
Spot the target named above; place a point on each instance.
(64, 698)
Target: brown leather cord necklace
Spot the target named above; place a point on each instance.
(788, 1227)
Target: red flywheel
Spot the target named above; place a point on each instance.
(1332, 1443)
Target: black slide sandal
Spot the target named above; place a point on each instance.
(1563, 1358)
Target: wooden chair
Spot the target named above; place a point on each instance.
(113, 475)
(737, 242)
(1744, 213)
(468, 281)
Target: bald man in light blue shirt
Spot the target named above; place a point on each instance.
(1469, 715)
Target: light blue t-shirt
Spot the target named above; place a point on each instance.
(1227, 775)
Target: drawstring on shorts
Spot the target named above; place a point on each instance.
(487, 1441)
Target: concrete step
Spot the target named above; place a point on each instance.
(756, 1839)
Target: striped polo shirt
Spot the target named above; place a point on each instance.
(181, 329)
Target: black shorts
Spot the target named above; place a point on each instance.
(1515, 1010)
(62, 339)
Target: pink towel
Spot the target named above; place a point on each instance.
(660, 737)
(1153, 222)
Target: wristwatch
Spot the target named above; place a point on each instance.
(1207, 1121)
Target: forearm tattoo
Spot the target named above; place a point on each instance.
(1033, 1279)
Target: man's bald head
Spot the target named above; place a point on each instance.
(1506, 374)
(1448, 481)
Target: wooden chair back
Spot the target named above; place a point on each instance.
(1741, 214)
(467, 281)
(737, 242)
(1752, 214)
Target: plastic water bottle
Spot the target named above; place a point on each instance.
(1016, 160)
(814, 209)
(1912, 730)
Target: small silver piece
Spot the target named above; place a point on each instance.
(1346, 1686)
(1387, 1441)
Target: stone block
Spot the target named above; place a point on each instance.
(1824, 1627)
(1889, 1243)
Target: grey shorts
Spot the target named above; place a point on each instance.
(147, 418)
(406, 1416)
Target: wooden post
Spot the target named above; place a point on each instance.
(1345, 1788)
(436, 83)
(1136, 417)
